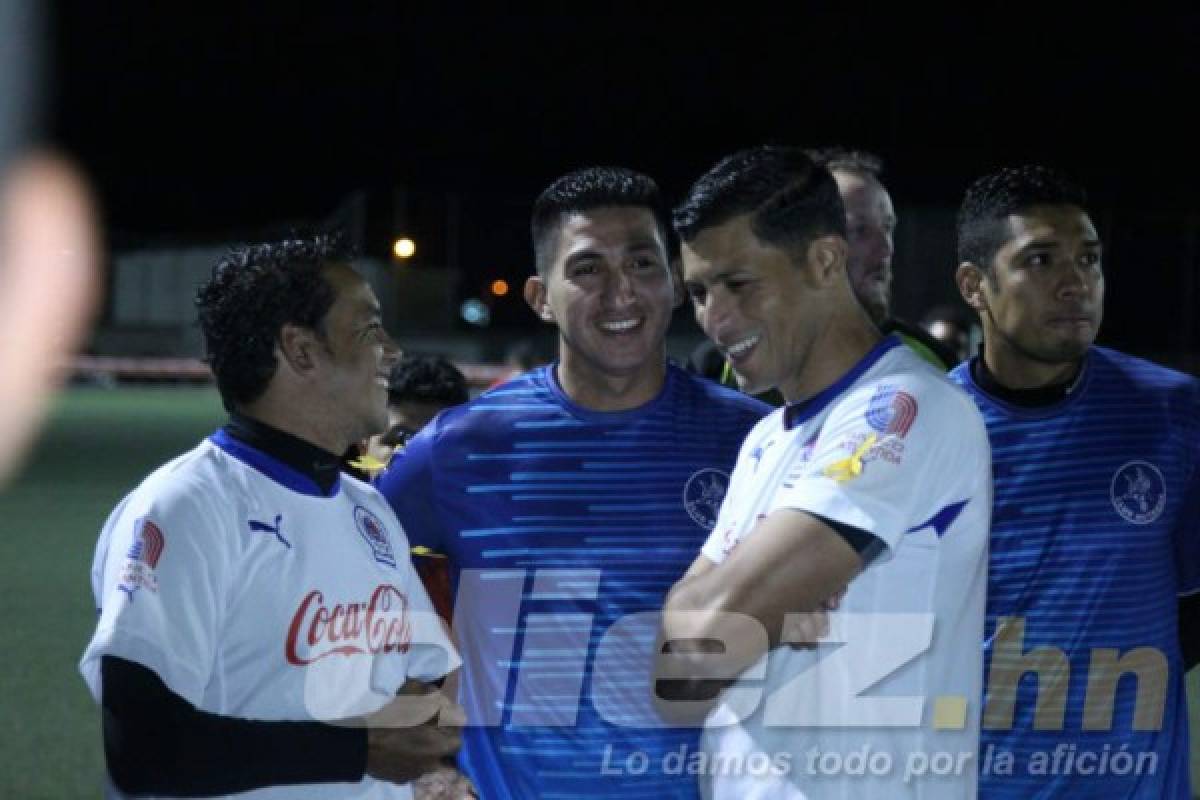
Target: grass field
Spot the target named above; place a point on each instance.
(98, 445)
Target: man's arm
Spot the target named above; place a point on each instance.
(792, 563)
(155, 742)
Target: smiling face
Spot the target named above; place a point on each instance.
(609, 290)
(357, 356)
(1041, 300)
(756, 303)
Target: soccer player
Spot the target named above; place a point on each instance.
(873, 480)
(870, 228)
(419, 388)
(250, 595)
(1096, 523)
(570, 498)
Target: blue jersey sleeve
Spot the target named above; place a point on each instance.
(408, 486)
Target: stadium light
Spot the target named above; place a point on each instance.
(404, 247)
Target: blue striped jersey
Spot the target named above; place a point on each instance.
(1095, 532)
(564, 529)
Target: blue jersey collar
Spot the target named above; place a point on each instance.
(549, 375)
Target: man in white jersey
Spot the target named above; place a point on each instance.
(261, 629)
(873, 481)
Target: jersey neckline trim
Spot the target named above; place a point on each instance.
(549, 378)
(802, 411)
(1027, 412)
(272, 467)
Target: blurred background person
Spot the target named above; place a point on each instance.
(48, 246)
(419, 387)
(870, 231)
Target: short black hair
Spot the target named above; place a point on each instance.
(983, 216)
(426, 379)
(793, 200)
(587, 189)
(252, 293)
(837, 158)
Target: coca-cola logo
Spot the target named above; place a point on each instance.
(380, 625)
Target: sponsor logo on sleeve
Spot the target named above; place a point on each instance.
(891, 411)
(142, 558)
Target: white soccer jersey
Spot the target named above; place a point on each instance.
(888, 705)
(252, 595)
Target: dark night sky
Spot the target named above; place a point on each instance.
(227, 117)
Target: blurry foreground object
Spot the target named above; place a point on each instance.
(48, 286)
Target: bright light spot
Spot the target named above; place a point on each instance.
(404, 247)
(499, 287)
(476, 312)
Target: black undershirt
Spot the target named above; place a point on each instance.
(155, 742)
(308, 459)
(1039, 397)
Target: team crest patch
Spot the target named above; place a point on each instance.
(702, 496)
(375, 535)
(1138, 492)
(142, 558)
(891, 411)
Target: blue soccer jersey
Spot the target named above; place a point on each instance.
(565, 528)
(1095, 533)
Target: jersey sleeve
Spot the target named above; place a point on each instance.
(408, 486)
(886, 459)
(160, 585)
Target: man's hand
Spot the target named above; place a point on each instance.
(446, 783)
(803, 631)
(415, 734)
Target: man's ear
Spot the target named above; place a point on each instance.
(297, 348)
(826, 258)
(970, 278)
(535, 296)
